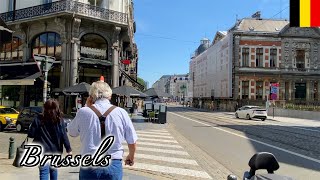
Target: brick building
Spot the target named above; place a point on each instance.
(266, 59)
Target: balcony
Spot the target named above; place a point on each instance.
(65, 6)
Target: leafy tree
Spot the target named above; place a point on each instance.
(142, 82)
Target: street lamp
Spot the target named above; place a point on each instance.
(44, 63)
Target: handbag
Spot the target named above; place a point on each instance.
(19, 153)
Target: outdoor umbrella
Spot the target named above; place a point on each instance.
(153, 93)
(78, 89)
(128, 91)
(5, 33)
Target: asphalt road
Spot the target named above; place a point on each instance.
(233, 141)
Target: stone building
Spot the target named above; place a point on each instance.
(177, 86)
(258, 60)
(88, 38)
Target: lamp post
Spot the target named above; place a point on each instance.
(44, 63)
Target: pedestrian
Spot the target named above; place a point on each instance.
(86, 124)
(48, 129)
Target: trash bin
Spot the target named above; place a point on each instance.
(147, 107)
(162, 117)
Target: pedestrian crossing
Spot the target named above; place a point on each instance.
(158, 152)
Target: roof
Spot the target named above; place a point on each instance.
(223, 32)
(261, 25)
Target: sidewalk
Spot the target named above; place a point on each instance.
(9, 172)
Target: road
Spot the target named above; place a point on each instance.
(233, 141)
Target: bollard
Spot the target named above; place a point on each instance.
(11, 148)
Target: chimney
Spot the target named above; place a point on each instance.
(257, 15)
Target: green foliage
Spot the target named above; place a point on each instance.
(142, 82)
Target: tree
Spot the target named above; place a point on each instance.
(142, 82)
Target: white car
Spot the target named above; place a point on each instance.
(249, 112)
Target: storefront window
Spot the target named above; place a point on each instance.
(94, 46)
(47, 44)
(12, 50)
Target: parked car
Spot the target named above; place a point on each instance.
(28, 114)
(249, 112)
(8, 118)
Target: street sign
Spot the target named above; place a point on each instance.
(44, 64)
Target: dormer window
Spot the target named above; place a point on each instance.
(46, 1)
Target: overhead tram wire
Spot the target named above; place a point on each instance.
(165, 37)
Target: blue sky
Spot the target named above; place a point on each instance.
(168, 31)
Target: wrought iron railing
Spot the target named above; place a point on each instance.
(70, 6)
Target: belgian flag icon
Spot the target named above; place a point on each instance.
(305, 13)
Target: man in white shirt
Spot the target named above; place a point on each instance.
(117, 123)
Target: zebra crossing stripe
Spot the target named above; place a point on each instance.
(170, 170)
(167, 151)
(153, 133)
(142, 143)
(156, 140)
(166, 159)
(154, 136)
(156, 130)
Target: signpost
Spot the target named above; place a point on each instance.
(44, 63)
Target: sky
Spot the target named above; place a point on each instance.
(169, 31)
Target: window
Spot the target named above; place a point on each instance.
(259, 89)
(46, 1)
(315, 91)
(11, 4)
(245, 57)
(47, 44)
(94, 46)
(259, 57)
(300, 59)
(245, 89)
(12, 50)
(273, 58)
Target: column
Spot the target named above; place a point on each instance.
(308, 92)
(115, 57)
(282, 89)
(115, 67)
(75, 43)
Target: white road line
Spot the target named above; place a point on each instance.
(157, 140)
(167, 151)
(260, 142)
(141, 143)
(170, 170)
(167, 159)
(286, 124)
(153, 133)
(154, 136)
(157, 130)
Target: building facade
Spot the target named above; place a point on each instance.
(255, 61)
(177, 86)
(159, 85)
(87, 38)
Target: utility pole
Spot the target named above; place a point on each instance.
(44, 64)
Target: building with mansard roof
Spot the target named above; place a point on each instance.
(255, 61)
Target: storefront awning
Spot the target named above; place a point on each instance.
(25, 81)
(19, 74)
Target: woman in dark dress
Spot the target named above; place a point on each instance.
(48, 129)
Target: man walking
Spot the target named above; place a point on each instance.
(117, 123)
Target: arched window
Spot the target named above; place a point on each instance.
(48, 43)
(12, 50)
(94, 46)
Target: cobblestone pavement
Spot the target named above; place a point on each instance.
(162, 154)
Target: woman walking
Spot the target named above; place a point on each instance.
(48, 129)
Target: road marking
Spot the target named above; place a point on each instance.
(141, 143)
(153, 133)
(260, 142)
(154, 136)
(167, 159)
(290, 125)
(171, 170)
(167, 151)
(160, 131)
(157, 140)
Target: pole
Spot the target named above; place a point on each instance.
(45, 84)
